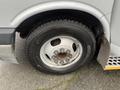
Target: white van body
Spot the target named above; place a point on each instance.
(15, 12)
(16, 8)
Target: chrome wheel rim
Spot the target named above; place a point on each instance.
(61, 52)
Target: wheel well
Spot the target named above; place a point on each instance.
(26, 27)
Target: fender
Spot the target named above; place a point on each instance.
(75, 5)
(62, 5)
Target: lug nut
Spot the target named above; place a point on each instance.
(70, 56)
(56, 52)
(62, 50)
(68, 51)
(62, 62)
(56, 61)
(54, 57)
(67, 60)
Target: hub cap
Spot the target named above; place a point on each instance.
(61, 52)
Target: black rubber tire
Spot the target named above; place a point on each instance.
(54, 28)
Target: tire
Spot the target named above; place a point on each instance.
(62, 28)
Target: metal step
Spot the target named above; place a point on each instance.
(105, 60)
(113, 63)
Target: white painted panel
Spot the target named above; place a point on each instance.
(115, 24)
(9, 9)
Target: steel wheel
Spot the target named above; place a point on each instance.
(61, 52)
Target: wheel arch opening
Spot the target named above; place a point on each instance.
(93, 23)
(26, 27)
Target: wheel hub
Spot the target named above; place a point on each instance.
(61, 51)
(61, 56)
